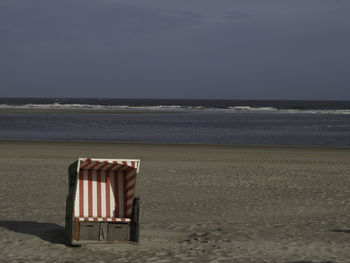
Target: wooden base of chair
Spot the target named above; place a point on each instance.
(104, 232)
(101, 231)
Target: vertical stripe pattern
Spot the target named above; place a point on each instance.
(105, 190)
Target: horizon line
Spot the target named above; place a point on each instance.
(183, 99)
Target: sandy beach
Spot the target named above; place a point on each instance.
(200, 203)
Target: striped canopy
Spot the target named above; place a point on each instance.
(105, 189)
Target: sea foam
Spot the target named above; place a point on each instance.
(232, 109)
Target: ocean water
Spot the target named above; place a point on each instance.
(307, 123)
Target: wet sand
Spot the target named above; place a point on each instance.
(200, 203)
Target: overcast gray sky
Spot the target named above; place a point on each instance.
(219, 49)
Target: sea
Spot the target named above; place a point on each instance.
(231, 122)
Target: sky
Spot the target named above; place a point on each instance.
(184, 49)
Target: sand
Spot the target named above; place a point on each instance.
(200, 203)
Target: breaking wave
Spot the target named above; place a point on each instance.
(232, 109)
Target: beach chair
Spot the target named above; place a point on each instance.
(101, 204)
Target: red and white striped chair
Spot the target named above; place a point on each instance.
(101, 203)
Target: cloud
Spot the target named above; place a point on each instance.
(165, 48)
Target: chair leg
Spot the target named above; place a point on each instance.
(134, 232)
(135, 220)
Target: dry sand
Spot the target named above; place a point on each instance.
(200, 203)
